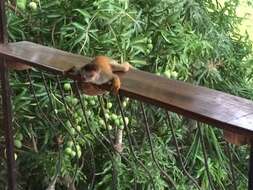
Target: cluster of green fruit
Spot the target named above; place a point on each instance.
(17, 143)
(33, 5)
(73, 150)
(149, 46)
(18, 140)
(112, 118)
(169, 74)
(90, 102)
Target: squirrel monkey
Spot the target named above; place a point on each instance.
(101, 70)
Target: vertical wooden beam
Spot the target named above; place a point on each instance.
(6, 104)
(250, 178)
(3, 25)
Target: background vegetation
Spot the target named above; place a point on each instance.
(197, 41)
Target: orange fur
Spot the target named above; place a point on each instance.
(115, 84)
(103, 63)
(107, 66)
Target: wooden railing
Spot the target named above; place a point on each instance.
(218, 109)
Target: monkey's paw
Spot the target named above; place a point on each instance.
(115, 89)
(126, 66)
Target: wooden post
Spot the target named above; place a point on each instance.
(6, 104)
(250, 178)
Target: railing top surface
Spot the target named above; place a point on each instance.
(54, 60)
(200, 103)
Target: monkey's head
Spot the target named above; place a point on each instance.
(90, 72)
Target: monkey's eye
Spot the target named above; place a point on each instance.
(90, 75)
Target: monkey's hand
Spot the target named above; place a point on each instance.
(73, 71)
(115, 84)
(126, 66)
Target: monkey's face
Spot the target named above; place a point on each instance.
(90, 73)
(90, 76)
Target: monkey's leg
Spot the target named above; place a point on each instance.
(115, 84)
(124, 67)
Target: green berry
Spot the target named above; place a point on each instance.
(101, 122)
(121, 127)
(73, 153)
(68, 150)
(21, 4)
(76, 115)
(107, 116)
(174, 74)
(74, 101)
(109, 127)
(33, 6)
(114, 117)
(67, 87)
(109, 105)
(92, 102)
(80, 112)
(70, 144)
(19, 136)
(78, 128)
(68, 124)
(88, 113)
(78, 147)
(68, 99)
(17, 143)
(79, 153)
(150, 46)
(167, 73)
(78, 119)
(124, 104)
(117, 122)
(72, 131)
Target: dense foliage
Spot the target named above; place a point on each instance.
(197, 41)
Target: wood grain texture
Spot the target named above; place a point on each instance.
(43, 57)
(220, 109)
(210, 106)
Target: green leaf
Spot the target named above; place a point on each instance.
(79, 26)
(83, 12)
(138, 62)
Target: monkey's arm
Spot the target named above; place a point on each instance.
(124, 67)
(115, 84)
(73, 71)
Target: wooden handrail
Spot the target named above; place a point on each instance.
(216, 108)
